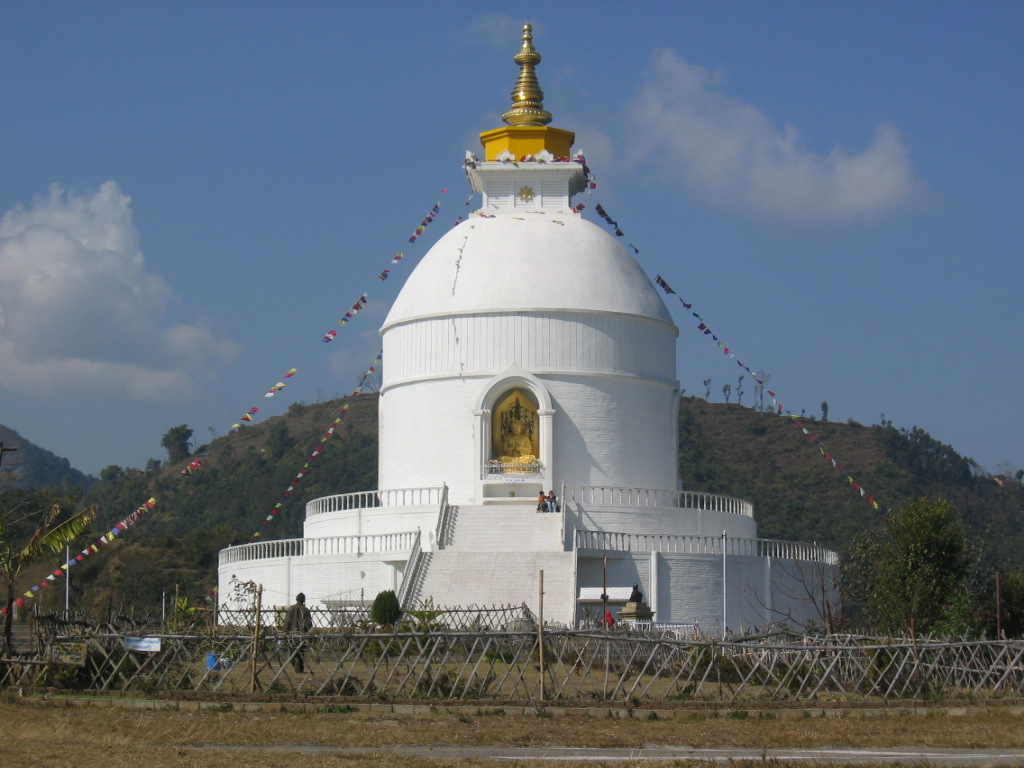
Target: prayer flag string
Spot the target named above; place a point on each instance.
(384, 274)
(92, 549)
(249, 415)
(543, 157)
(316, 453)
(702, 326)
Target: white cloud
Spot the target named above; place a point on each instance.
(732, 154)
(496, 30)
(79, 312)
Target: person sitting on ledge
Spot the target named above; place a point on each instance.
(552, 502)
(542, 502)
(636, 596)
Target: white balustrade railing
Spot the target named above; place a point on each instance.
(329, 545)
(445, 523)
(392, 497)
(595, 495)
(413, 566)
(496, 470)
(704, 545)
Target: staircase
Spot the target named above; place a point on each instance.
(507, 528)
(494, 558)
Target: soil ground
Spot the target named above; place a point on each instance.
(85, 734)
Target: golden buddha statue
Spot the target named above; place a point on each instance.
(517, 447)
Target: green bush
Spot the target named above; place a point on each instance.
(385, 609)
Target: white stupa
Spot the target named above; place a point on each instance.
(529, 352)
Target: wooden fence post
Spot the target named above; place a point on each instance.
(540, 636)
(256, 637)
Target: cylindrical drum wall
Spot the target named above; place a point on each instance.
(610, 379)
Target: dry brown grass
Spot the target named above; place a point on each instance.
(45, 734)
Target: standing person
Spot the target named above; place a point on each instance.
(299, 620)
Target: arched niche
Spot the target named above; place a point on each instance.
(514, 407)
(515, 427)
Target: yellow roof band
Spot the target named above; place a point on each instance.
(526, 140)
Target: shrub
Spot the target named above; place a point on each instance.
(385, 609)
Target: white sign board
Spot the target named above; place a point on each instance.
(144, 644)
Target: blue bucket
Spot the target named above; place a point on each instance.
(215, 662)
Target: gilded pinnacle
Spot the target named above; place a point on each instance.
(527, 97)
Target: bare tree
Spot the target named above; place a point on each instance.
(707, 389)
(814, 586)
(373, 381)
(739, 389)
(726, 391)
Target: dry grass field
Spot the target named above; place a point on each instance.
(54, 733)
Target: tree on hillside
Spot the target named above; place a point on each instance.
(726, 391)
(1011, 605)
(913, 575)
(176, 441)
(278, 440)
(824, 410)
(50, 534)
(739, 390)
(707, 389)
(110, 473)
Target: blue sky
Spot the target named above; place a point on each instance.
(192, 194)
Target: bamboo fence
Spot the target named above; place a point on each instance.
(494, 655)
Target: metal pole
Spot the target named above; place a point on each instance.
(67, 582)
(725, 538)
(604, 593)
(999, 611)
(540, 635)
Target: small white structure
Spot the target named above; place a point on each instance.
(529, 352)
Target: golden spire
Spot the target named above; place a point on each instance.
(527, 97)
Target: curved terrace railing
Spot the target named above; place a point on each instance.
(329, 545)
(595, 495)
(704, 545)
(393, 497)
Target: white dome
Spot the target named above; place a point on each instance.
(538, 261)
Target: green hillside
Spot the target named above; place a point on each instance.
(725, 448)
(31, 467)
(799, 495)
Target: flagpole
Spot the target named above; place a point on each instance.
(67, 582)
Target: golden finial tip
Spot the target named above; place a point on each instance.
(527, 97)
